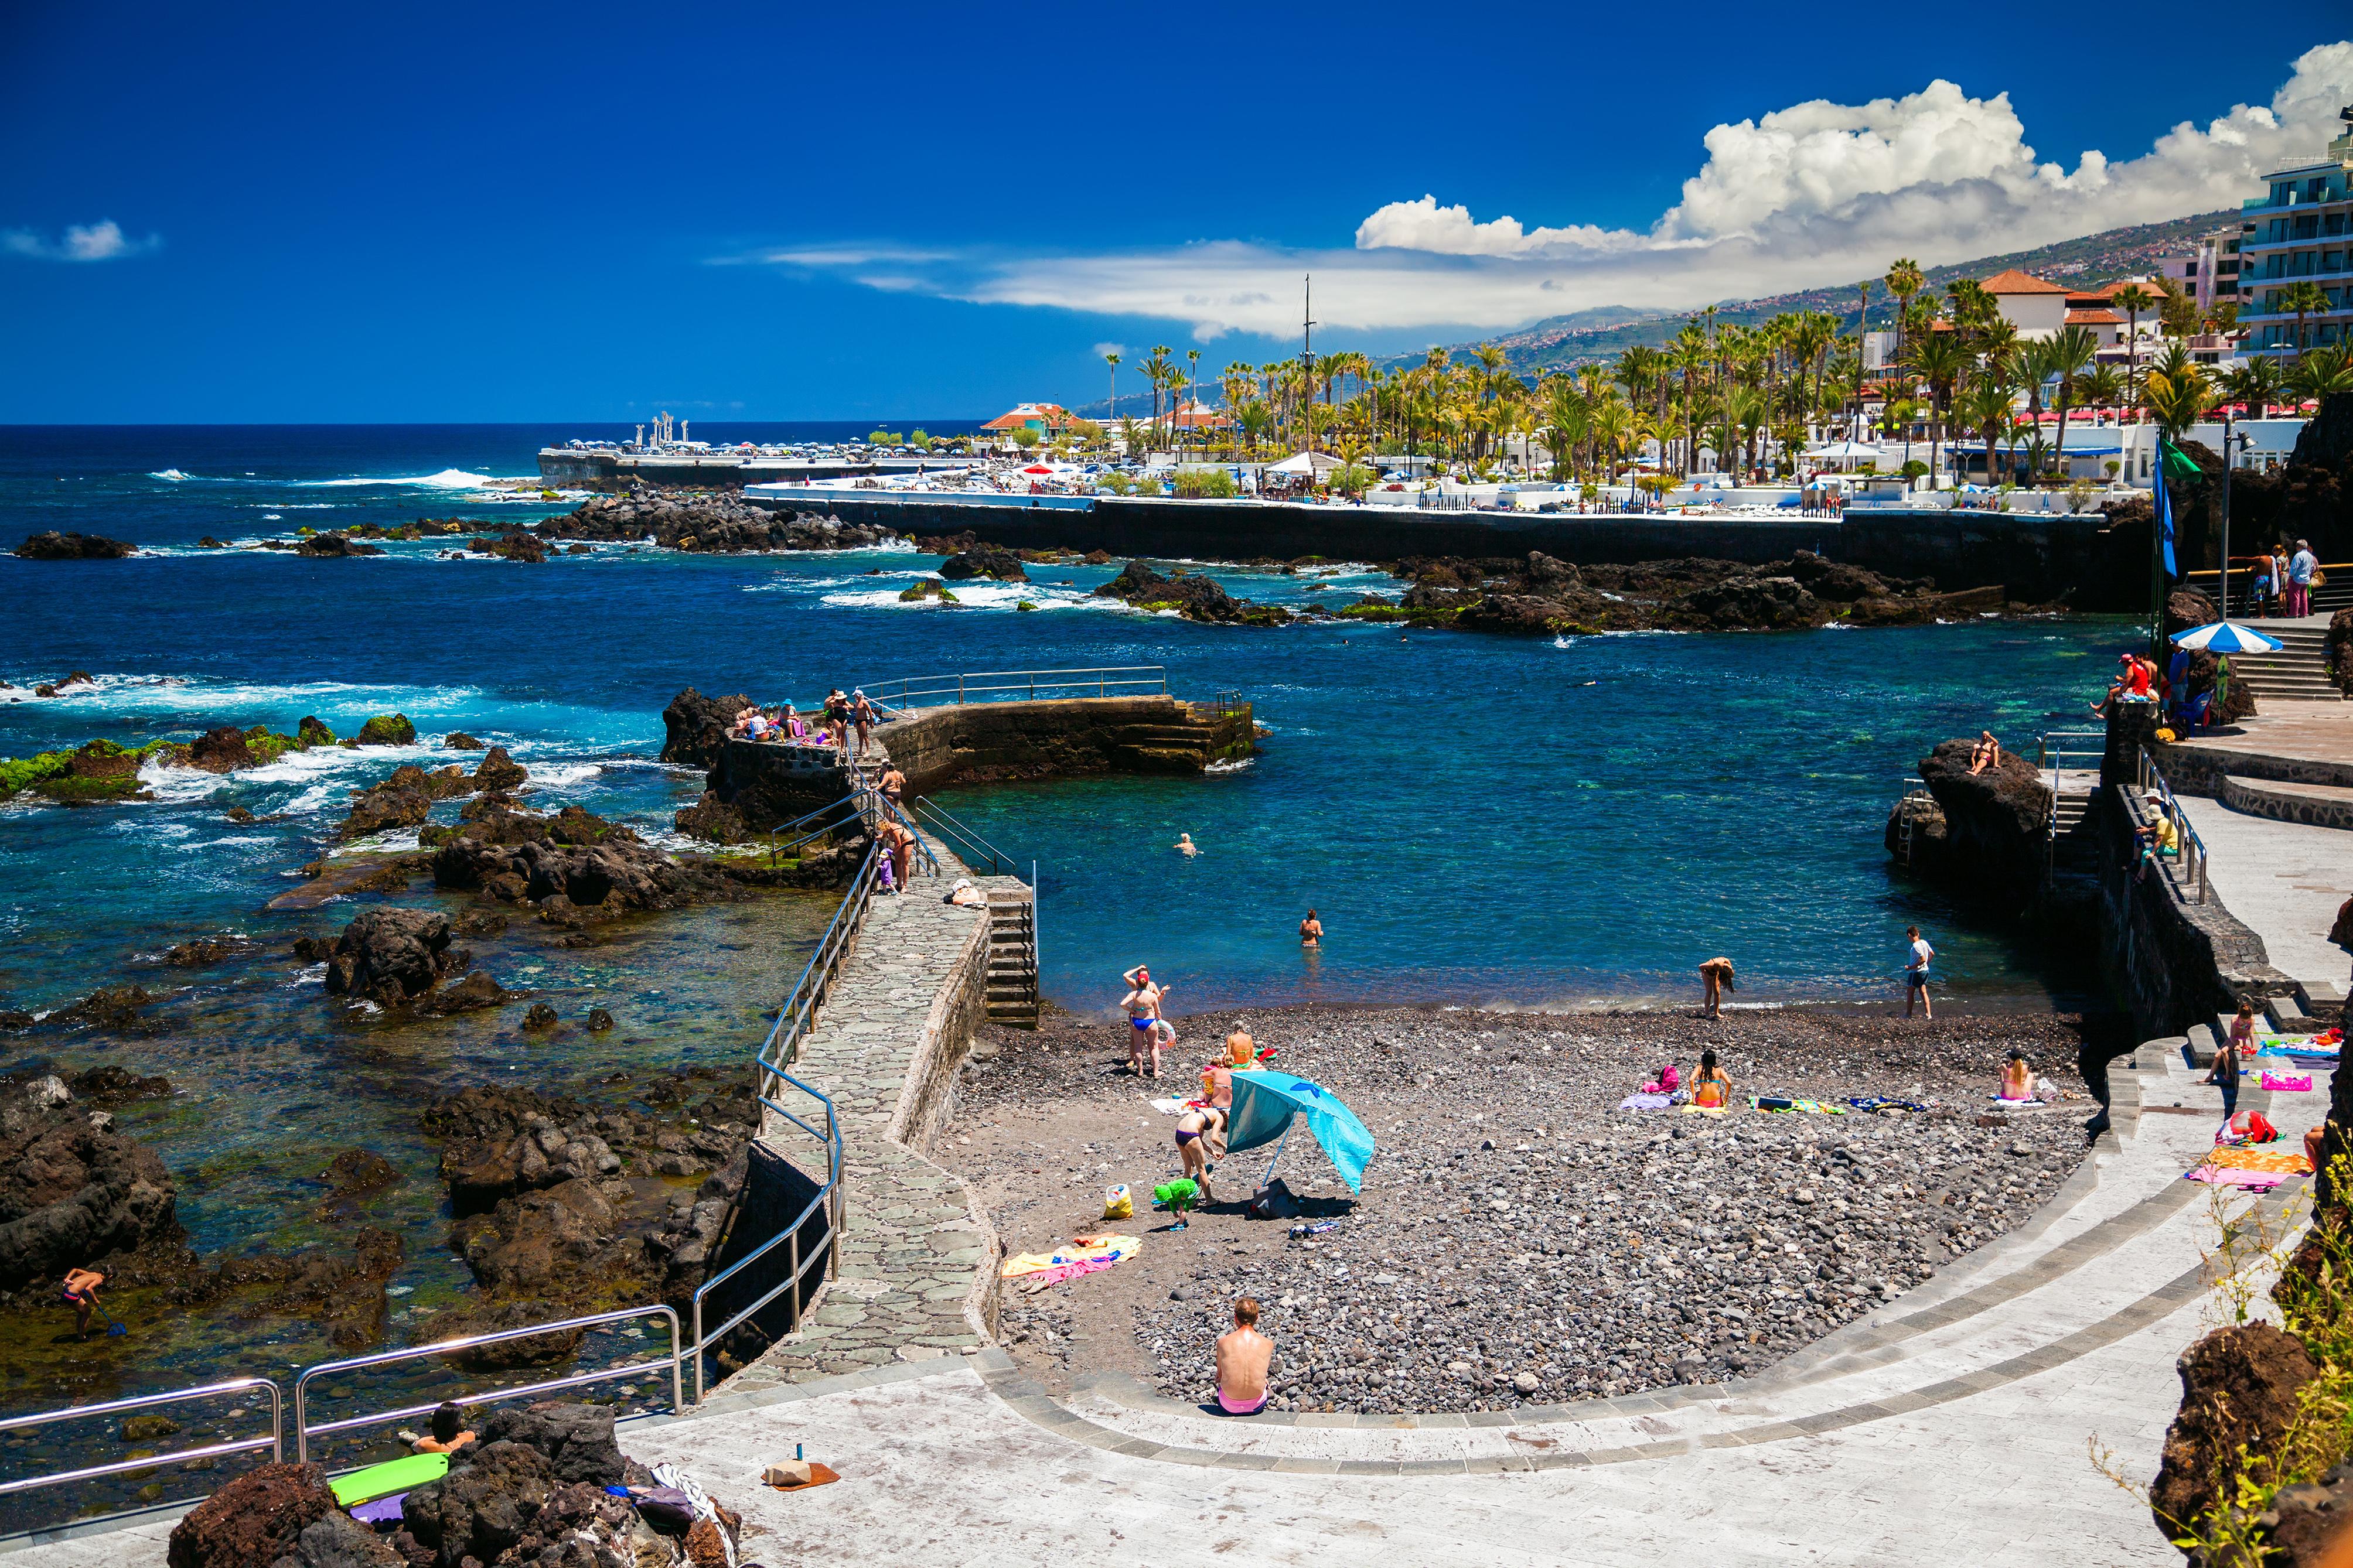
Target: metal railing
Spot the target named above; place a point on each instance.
(2191, 851)
(274, 1442)
(2334, 594)
(304, 1431)
(970, 846)
(1019, 685)
(835, 818)
(2055, 749)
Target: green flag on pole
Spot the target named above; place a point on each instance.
(2177, 463)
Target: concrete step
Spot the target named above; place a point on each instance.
(2288, 1016)
(2314, 805)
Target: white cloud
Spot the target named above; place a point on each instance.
(1102, 349)
(1816, 193)
(101, 241)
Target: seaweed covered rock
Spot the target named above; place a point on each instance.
(255, 1519)
(2239, 1385)
(314, 732)
(69, 1191)
(574, 856)
(333, 546)
(515, 544)
(387, 729)
(711, 820)
(694, 727)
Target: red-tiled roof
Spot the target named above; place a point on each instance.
(2093, 319)
(2016, 282)
(1053, 416)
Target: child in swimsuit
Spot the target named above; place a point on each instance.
(1710, 1087)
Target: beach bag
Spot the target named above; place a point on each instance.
(1273, 1201)
(1118, 1203)
(2254, 1127)
(1669, 1080)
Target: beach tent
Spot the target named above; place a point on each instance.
(2224, 636)
(1267, 1103)
(1316, 463)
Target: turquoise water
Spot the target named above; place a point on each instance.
(1477, 821)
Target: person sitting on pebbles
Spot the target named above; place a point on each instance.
(2017, 1077)
(1710, 1089)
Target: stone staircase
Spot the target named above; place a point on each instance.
(1013, 957)
(2075, 842)
(2294, 674)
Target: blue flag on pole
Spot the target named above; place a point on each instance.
(2164, 521)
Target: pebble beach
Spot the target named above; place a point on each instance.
(1519, 1239)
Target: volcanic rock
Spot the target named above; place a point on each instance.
(458, 741)
(2307, 1524)
(390, 956)
(1992, 822)
(2239, 1385)
(111, 1085)
(593, 864)
(709, 524)
(254, 1519)
(117, 1009)
(712, 820)
(984, 561)
(498, 770)
(313, 732)
(1192, 595)
(480, 1508)
(205, 950)
(577, 1440)
(695, 727)
(70, 1193)
(513, 545)
(73, 547)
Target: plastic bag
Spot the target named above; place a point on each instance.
(1118, 1203)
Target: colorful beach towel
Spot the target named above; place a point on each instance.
(1785, 1102)
(2279, 1085)
(1700, 1109)
(1104, 1250)
(2283, 1162)
(2253, 1181)
(1881, 1103)
(1644, 1102)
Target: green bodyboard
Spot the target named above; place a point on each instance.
(382, 1481)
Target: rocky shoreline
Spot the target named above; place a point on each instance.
(1519, 1239)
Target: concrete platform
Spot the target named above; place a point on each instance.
(2314, 804)
(2284, 880)
(1957, 1425)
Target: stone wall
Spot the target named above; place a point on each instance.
(2192, 769)
(2174, 962)
(2034, 558)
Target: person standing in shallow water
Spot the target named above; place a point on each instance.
(1915, 971)
(1714, 979)
(1311, 931)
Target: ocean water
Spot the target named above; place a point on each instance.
(1477, 821)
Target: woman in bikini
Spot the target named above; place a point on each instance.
(1196, 1130)
(1711, 1091)
(2017, 1078)
(1142, 1004)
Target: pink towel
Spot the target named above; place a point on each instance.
(2227, 1176)
(2292, 1085)
(1062, 1271)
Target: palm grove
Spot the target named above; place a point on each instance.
(1748, 395)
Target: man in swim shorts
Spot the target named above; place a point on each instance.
(1243, 1357)
(1143, 1006)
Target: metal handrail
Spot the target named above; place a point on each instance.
(2192, 848)
(973, 683)
(275, 1442)
(2052, 753)
(972, 843)
(303, 1430)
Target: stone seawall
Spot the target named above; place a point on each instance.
(986, 742)
(2035, 559)
(2174, 963)
(917, 1278)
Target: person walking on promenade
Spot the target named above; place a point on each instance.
(861, 713)
(1714, 979)
(2301, 570)
(1244, 1356)
(1143, 1006)
(1915, 971)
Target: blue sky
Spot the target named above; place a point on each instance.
(266, 213)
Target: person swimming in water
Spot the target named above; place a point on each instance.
(1185, 845)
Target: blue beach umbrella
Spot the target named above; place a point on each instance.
(1267, 1103)
(2225, 637)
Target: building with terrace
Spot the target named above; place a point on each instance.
(2296, 250)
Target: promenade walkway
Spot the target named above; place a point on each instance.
(1957, 1425)
(2286, 879)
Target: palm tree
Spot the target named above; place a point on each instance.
(2133, 299)
(2304, 298)
(2257, 383)
(1193, 361)
(2323, 371)
(2176, 395)
(1904, 280)
(1112, 360)
(2072, 350)
(1988, 408)
(2104, 388)
(1942, 359)
(1568, 417)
